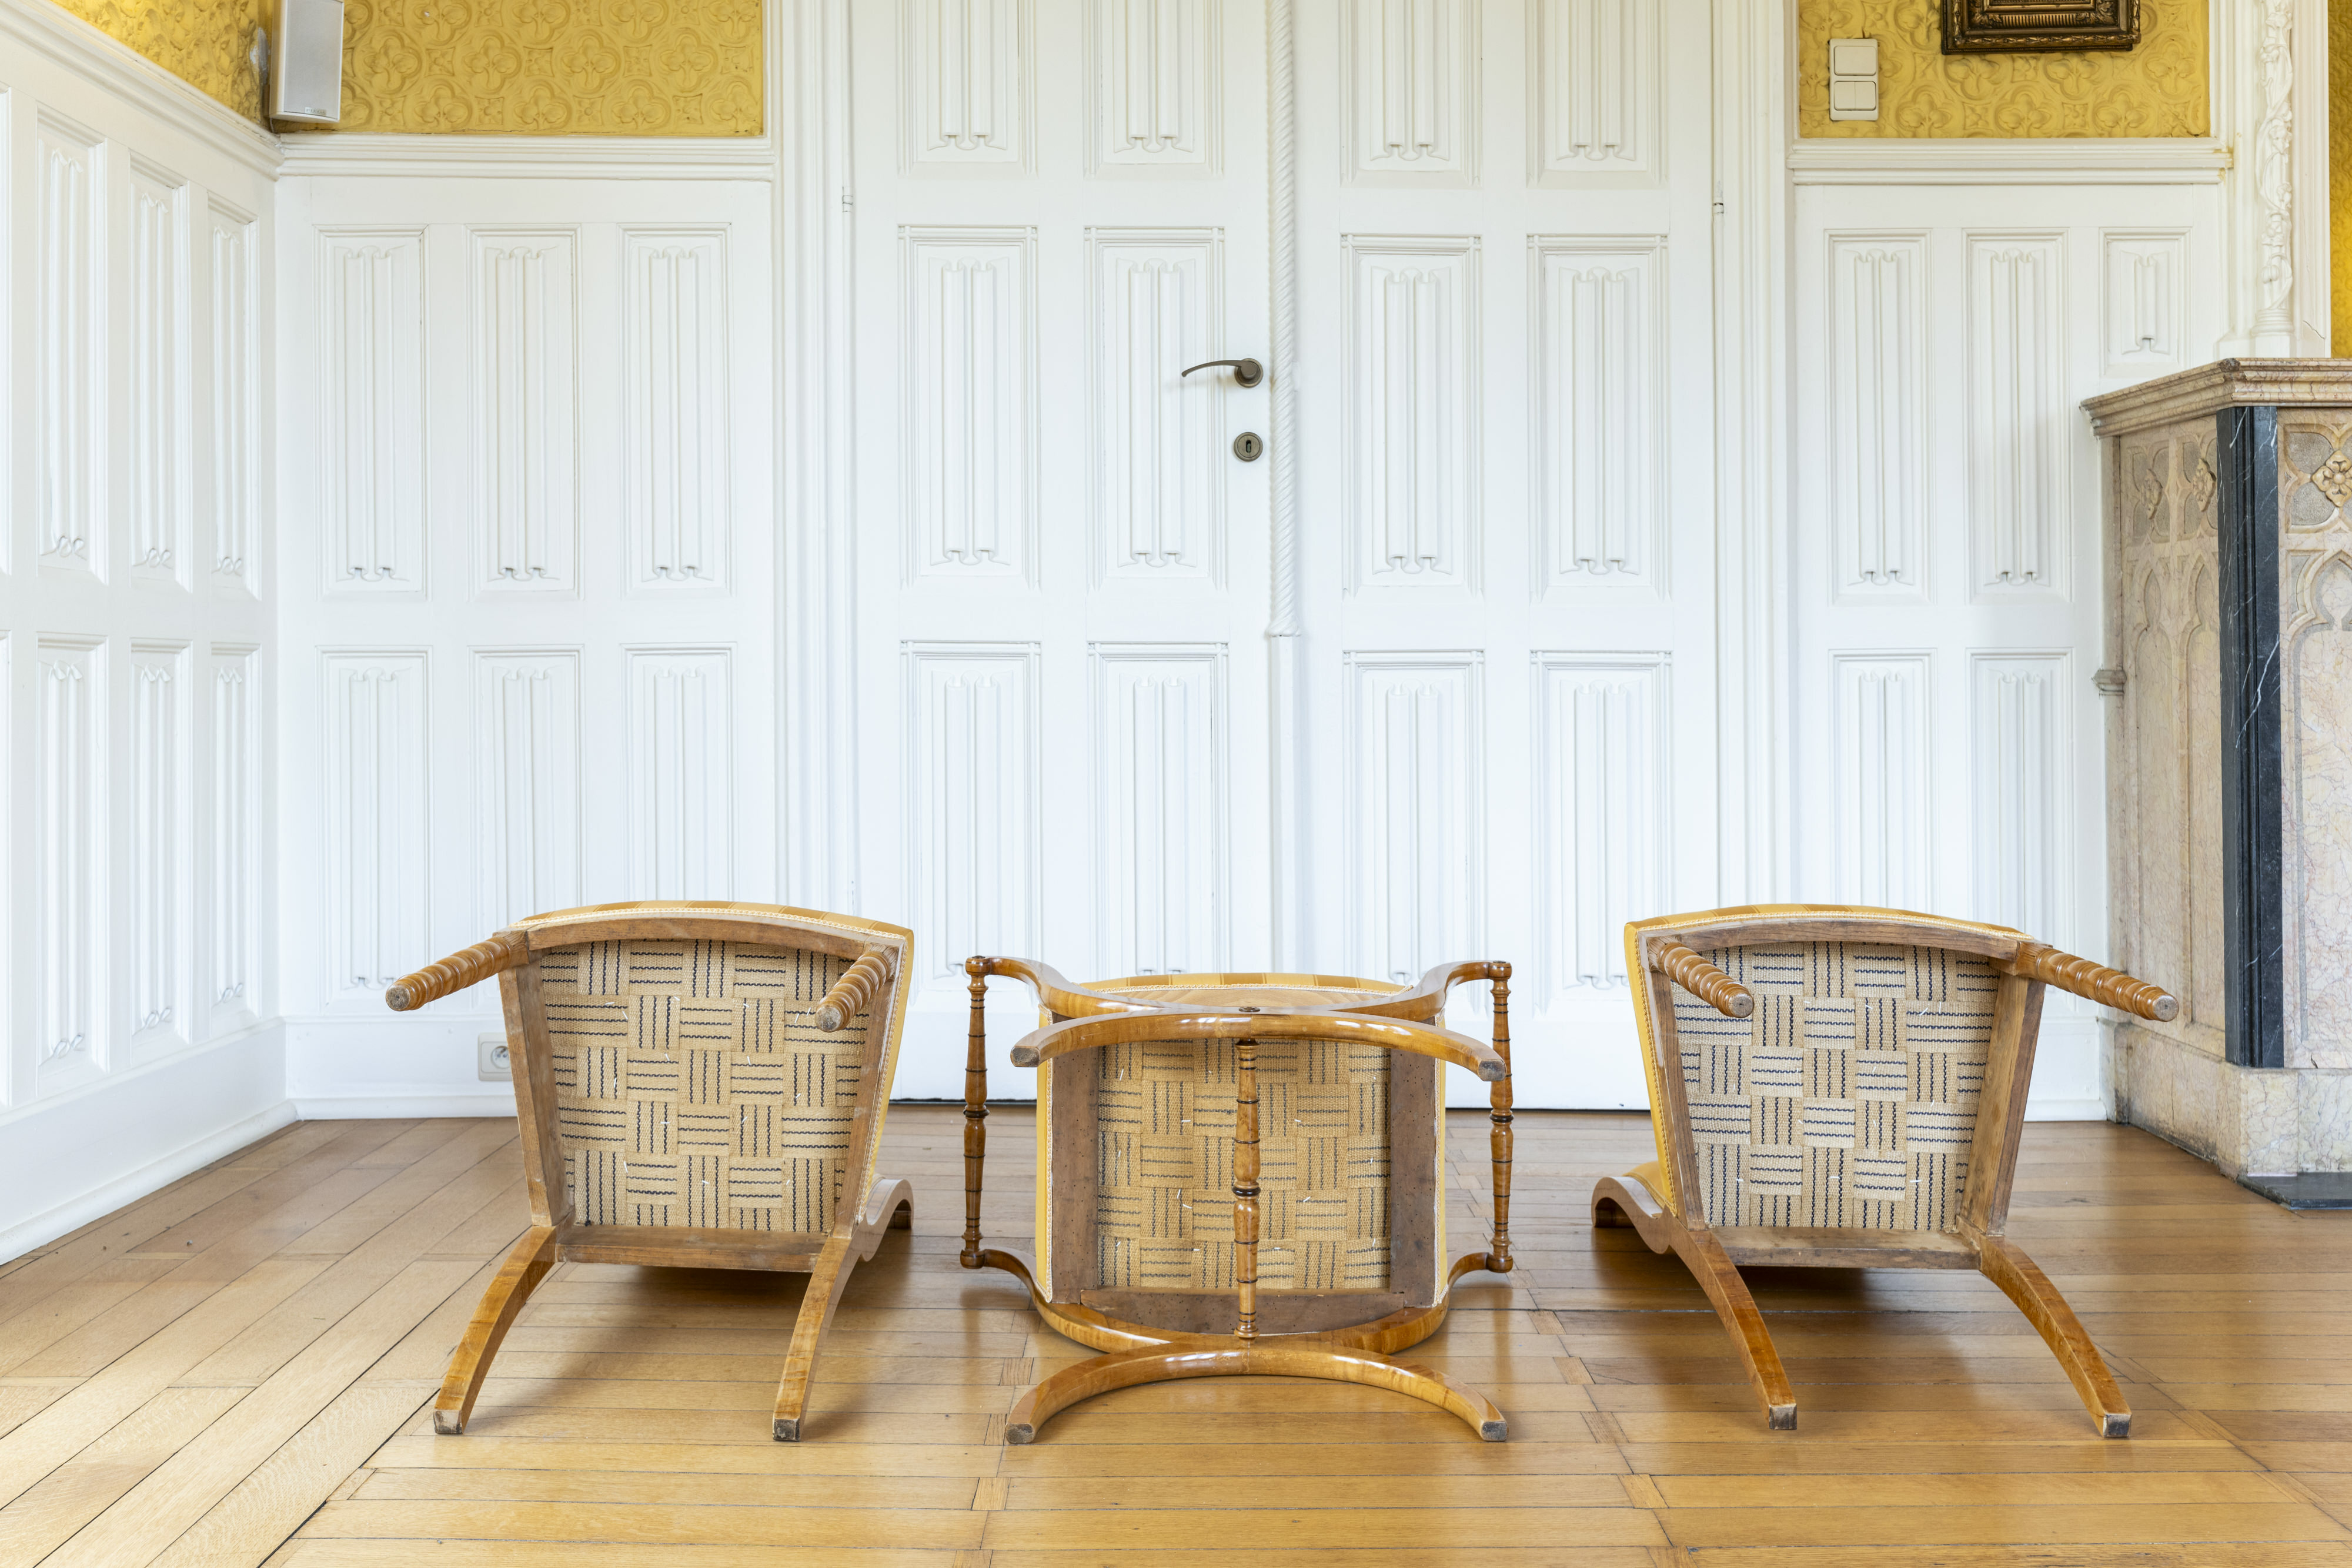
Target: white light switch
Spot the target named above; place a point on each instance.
(1853, 78)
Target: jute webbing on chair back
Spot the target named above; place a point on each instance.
(1164, 1204)
(1849, 1098)
(693, 1087)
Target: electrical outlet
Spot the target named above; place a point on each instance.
(496, 1066)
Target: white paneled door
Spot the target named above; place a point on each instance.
(1506, 492)
(1490, 674)
(1059, 206)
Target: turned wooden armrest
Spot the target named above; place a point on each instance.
(479, 962)
(1055, 993)
(1703, 980)
(2109, 988)
(1043, 1045)
(854, 990)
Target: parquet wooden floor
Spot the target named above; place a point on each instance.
(235, 1370)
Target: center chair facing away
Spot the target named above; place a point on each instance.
(1845, 1088)
(699, 1086)
(1181, 1117)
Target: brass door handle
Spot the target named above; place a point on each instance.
(1246, 372)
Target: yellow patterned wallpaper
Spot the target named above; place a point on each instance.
(2156, 89)
(207, 43)
(553, 68)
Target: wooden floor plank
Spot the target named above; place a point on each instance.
(234, 1371)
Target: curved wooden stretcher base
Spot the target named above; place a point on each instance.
(1134, 1355)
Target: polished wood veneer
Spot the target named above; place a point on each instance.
(241, 1368)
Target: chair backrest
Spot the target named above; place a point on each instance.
(692, 1085)
(1164, 1166)
(1872, 1081)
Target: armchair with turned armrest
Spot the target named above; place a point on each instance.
(1242, 1173)
(1837, 1087)
(698, 1085)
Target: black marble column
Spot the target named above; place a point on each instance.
(2253, 808)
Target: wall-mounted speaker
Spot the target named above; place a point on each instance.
(306, 78)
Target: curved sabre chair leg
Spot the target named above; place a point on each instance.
(889, 1199)
(525, 1267)
(2023, 1281)
(1127, 1369)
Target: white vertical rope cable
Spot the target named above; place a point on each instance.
(1286, 826)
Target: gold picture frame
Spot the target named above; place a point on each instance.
(2014, 26)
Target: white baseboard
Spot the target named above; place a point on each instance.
(232, 1093)
(2062, 1108)
(399, 1102)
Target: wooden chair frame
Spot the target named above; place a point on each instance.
(1085, 1020)
(1666, 952)
(875, 981)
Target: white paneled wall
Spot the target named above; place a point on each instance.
(532, 631)
(137, 639)
(1945, 571)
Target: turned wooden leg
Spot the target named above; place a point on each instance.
(1719, 1278)
(2023, 1281)
(519, 1275)
(1245, 1187)
(975, 1110)
(1499, 1260)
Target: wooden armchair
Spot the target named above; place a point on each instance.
(700, 1086)
(1241, 1175)
(1845, 1088)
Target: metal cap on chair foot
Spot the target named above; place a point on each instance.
(449, 1422)
(788, 1428)
(1495, 1431)
(1780, 1417)
(2115, 1424)
(1020, 1432)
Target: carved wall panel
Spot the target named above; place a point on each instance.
(1158, 301)
(675, 413)
(1883, 779)
(1414, 745)
(973, 834)
(1603, 779)
(1878, 402)
(2020, 425)
(1594, 75)
(155, 453)
(681, 772)
(526, 403)
(968, 415)
(968, 81)
(1155, 86)
(69, 869)
(2022, 789)
(527, 772)
(1412, 91)
(2144, 321)
(377, 738)
(160, 846)
(231, 389)
(371, 454)
(235, 831)
(1162, 853)
(68, 327)
(1598, 410)
(1412, 379)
